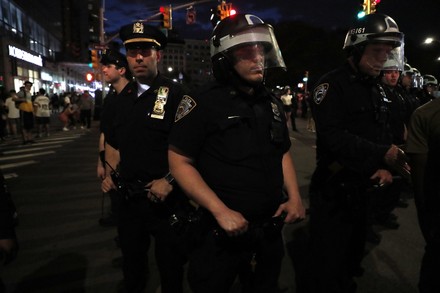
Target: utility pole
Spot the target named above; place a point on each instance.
(102, 44)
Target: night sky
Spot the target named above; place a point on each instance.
(417, 19)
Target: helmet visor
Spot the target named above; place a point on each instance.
(262, 35)
(396, 57)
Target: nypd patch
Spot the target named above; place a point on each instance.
(320, 92)
(186, 105)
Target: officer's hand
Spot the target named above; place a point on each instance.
(294, 210)
(107, 184)
(100, 171)
(232, 222)
(8, 250)
(159, 189)
(383, 176)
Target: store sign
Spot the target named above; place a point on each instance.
(46, 76)
(23, 55)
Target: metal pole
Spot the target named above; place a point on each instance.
(102, 42)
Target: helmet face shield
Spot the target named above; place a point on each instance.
(396, 58)
(255, 34)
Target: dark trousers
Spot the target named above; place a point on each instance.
(139, 220)
(429, 221)
(216, 262)
(337, 240)
(86, 116)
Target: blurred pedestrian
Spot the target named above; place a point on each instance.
(24, 99)
(42, 108)
(85, 105)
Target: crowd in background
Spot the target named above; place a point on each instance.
(27, 114)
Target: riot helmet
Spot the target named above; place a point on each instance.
(407, 70)
(429, 80)
(391, 64)
(240, 30)
(417, 80)
(375, 29)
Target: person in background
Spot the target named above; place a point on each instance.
(85, 105)
(430, 85)
(423, 147)
(116, 73)
(230, 152)
(286, 98)
(24, 98)
(13, 114)
(42, 108)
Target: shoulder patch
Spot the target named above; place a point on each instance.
(320, 92)
(187, 104)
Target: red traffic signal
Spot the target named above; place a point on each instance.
(90, 76)
(167, 16)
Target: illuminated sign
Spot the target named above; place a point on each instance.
(23, 55)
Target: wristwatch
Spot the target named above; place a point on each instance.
(169, 178)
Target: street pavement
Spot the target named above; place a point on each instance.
(63, 248)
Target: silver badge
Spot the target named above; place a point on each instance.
(159, 104)
(186, 105)
(320, 92)
(275, 111)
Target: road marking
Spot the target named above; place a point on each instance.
(30, 149)
(11, 175)
(26, 156)
(13, 165)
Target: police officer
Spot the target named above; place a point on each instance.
(137, 140)
(430, 85)
(229, 150)
(116, 73)
(354, 147)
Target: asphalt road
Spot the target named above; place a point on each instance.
(63, 248)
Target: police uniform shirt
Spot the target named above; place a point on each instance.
(141, 126)
(110, 108)
(349, 132)
(230, 140)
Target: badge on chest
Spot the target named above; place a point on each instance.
(159, 104)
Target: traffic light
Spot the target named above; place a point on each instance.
(373, 4)
(90, 76)
(94, 59)
(167, 16)
(190, 15)
(225, 10)
(365, 4)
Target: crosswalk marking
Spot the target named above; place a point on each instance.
(26, 156)
(30, 149)
(20, 164)
(14, 155)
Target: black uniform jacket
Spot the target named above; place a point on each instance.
(237, 142)
(351, 124)
(140, 129)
